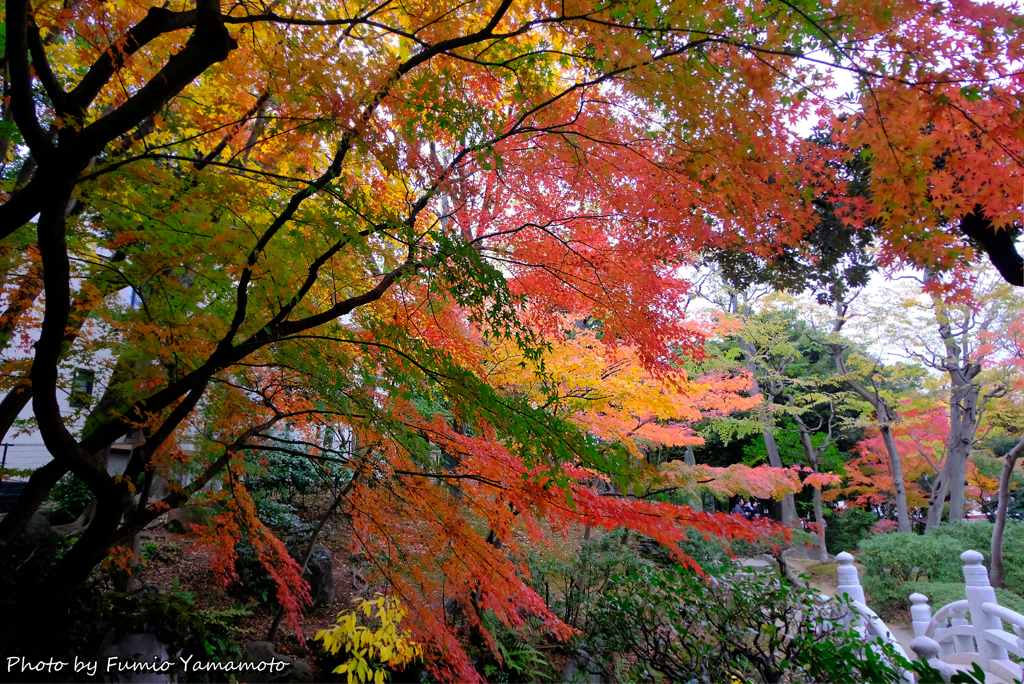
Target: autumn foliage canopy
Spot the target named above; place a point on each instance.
(439, 249)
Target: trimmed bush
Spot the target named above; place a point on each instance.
(71, 495)
(978, 536)
(892, 560)
(689, 629)
(944, 593)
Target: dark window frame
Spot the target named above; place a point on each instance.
(81, 388)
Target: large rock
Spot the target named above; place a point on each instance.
(806, 552)
(120, 656)
(582, 669)
(36, 528)
(181, 520)
(263, 652)
(320, 576)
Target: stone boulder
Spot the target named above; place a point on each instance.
(805, 552)
(581, 668)
(180, 520)
(263, 652)
(320, 576)
(129, 649)
(36, 528)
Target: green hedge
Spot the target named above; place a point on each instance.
(944, 593)
(893, 560)
(978, 536)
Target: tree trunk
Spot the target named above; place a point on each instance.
(789, 516)
(964, 416)
(937, 500)
(819, 516)
(308, 553)
(895, 466)
(689, 459)
(819, 520)
(1005, 479)
(965, 406)
(883, 414)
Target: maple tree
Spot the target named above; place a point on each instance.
(920, 436)
(341, 216)
(983, 306)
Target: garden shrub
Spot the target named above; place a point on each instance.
(576, 582)
(284, 475)
(846, 528)
(740, 627)
(943, 593)
(1015, 511)
(770, 545)
(892, 560)
(977, 535)
(71, 495)
(885, 526)
(371, 654)
(253, 581)
(521, 660)
(710, 553)
(205, 634)
(93, 611)
(280, 517)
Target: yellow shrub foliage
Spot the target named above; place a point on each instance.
(372, 652)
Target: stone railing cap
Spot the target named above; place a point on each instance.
(971, 557)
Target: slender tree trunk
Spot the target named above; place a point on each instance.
(937, 500)
(689, 459)
(819, 514)
(883, 414)
(1005, 479)
(308, 553)
(896, 467)
(819, 519)
(789, 516)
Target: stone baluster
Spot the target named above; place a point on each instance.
(849, 584)
(980, 591)
(920, 613)
(927, 649)
(822, 612)
(849, 580)
(962, 643)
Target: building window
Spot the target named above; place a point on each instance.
(81, 389)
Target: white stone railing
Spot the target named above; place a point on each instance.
(863, 620)
(970, 630)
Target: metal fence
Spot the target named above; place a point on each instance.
(24, 456)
